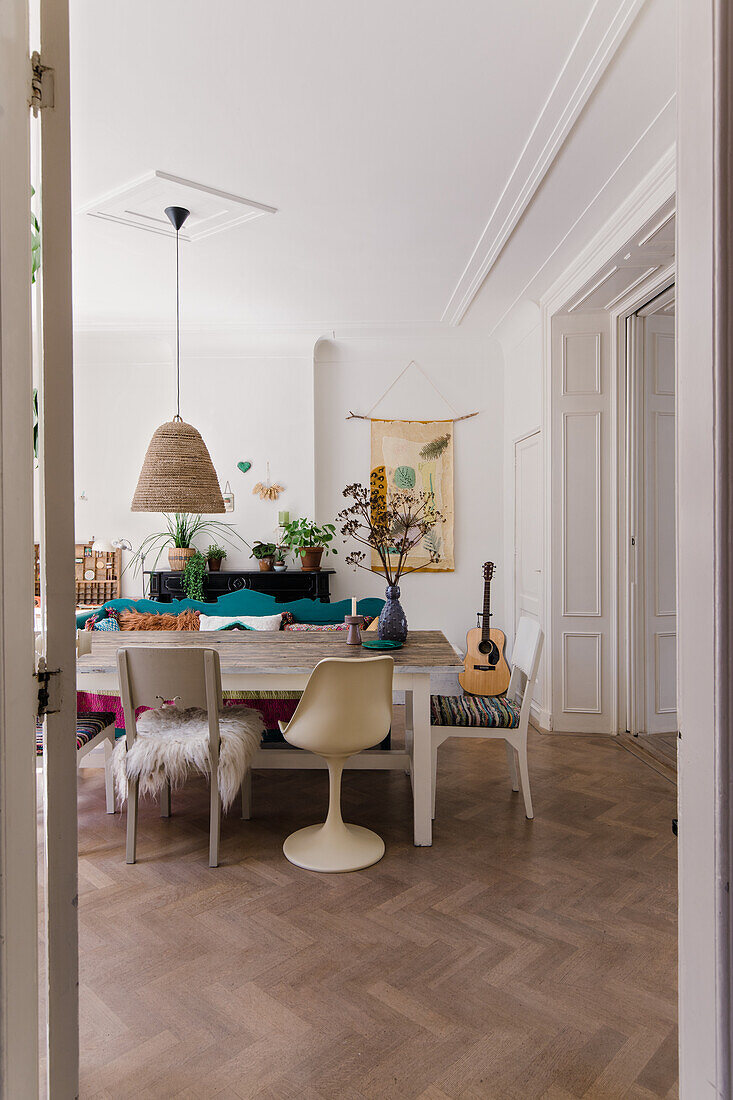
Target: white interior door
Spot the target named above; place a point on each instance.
(658, 549)
(528, 543)
(582, 526)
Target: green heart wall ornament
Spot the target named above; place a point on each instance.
(244, 466)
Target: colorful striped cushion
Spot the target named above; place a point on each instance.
(87, 728)
(489, 712)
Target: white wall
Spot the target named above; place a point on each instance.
(520, 338)
(624, 129)
(263, 398)
(351, 373)
(250, 401)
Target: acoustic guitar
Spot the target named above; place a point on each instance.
(485, 670)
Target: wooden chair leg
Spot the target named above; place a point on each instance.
(215, 823)
(165, 799)
(524, 773)
(109, 785)
(131, 820)
(511, 759)
(247, 796)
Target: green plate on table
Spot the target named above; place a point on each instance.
(381, 643)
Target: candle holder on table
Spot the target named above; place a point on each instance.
(353, 634)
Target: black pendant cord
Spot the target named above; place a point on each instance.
(178, 336)
(177, 215)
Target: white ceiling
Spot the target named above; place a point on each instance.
(384, 133)
(626, 131)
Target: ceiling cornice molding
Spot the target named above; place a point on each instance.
(659, 183)
(348, 330)
(586, 63)
(656, 188)
(147, 344)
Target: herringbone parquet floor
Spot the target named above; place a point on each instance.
(513, 959)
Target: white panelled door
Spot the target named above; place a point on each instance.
(528, 541)
(583, 634)
(658, 552)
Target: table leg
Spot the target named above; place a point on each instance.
(409, 731)
(421, 761)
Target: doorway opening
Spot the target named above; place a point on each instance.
(650, 484)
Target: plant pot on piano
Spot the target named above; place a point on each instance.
(265, 553)
(179, 555)
(310, 559)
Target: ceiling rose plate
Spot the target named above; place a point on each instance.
(140, 205)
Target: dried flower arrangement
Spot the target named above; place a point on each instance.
(392, 526)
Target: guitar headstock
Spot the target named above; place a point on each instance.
(488, 570)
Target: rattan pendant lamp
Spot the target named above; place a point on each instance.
(178, 474)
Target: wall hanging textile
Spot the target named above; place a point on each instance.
(417, 455)
(414, 454)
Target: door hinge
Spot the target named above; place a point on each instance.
(47, 705)
(42, 84)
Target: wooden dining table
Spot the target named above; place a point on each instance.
(264, 660)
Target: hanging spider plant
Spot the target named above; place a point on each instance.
(181, 528)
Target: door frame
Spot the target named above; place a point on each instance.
(705, 563)
(637, 298)
(539, 709)
(56, 463)
(647, 199)
(18, 866)
(632, 638)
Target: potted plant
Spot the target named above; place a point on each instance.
(180, 530)
(392, 526)
(280, 555)
(309, 540)
(265, 553)
(214, 556)
(193, 576)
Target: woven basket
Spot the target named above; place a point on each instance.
(179, 555)
(178, 474)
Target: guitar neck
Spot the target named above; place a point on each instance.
(486, 619)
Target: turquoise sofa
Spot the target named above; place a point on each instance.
(245, 602)
(249, 603)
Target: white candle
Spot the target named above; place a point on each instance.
(353, 605)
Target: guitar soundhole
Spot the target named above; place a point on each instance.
(490, 650)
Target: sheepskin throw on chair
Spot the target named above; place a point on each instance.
(172, 743)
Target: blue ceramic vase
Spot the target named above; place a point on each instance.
(392, 619)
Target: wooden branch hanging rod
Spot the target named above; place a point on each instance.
(400, 420)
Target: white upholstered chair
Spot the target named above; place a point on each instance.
(170, 741)
(505, 717)
(346, 707)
